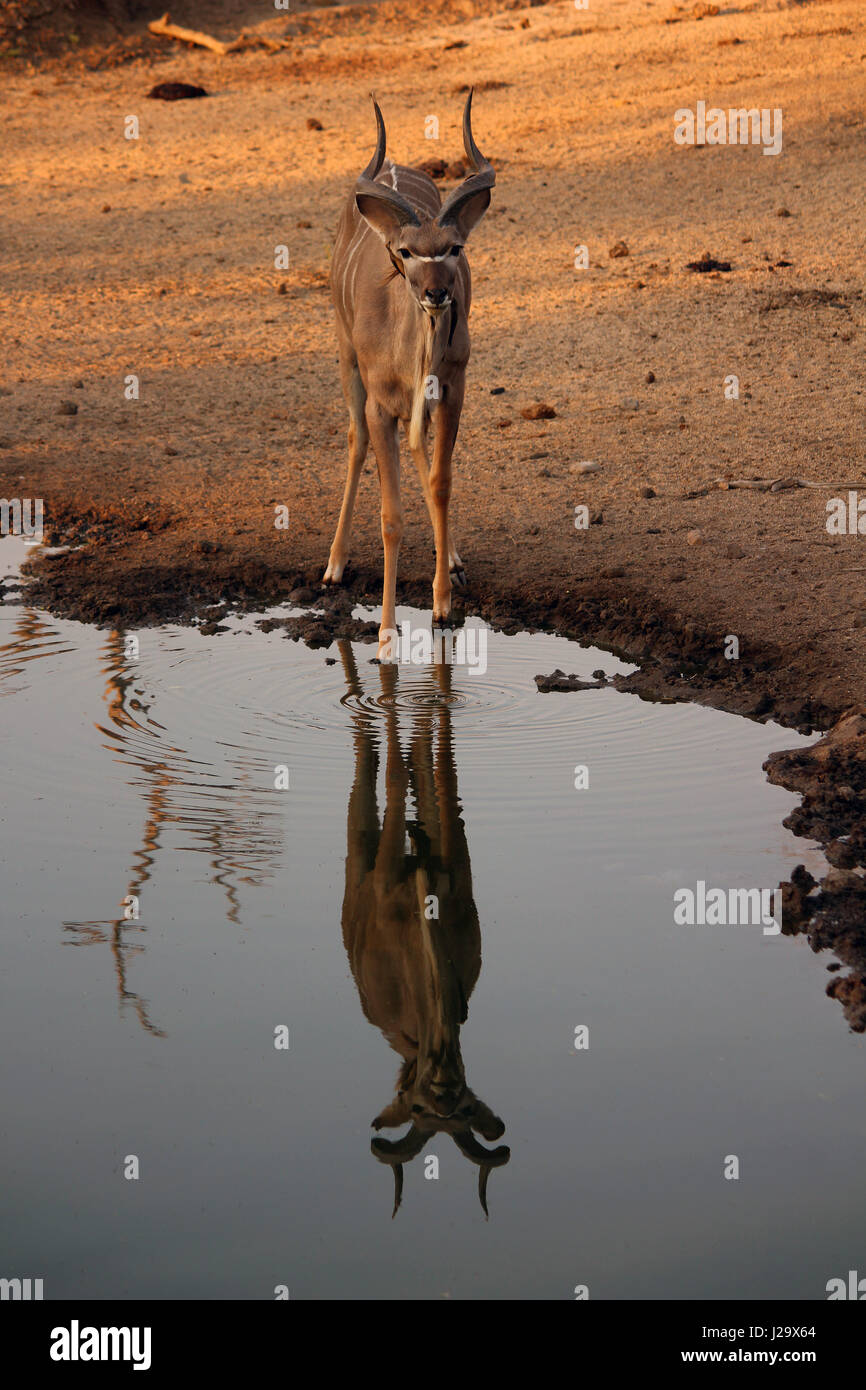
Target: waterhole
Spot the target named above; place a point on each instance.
(309, 963)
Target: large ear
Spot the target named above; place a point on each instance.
(395, 1114)
(384, 208)
(467, 210)
(468, 203)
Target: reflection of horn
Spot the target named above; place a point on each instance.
(487, 1159)
(395, 1153)
(401, 1150)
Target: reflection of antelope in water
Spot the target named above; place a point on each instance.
(411, 929)
(241, 841)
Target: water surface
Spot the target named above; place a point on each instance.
(152, 777)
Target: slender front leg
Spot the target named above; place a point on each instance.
(447, 424)
(422, 463)
(383, 434)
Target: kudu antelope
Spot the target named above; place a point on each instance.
(401, 289)
(411, 931)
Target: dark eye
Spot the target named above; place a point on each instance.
(455, 250)
(405, 254)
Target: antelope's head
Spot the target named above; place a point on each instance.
(426, 250)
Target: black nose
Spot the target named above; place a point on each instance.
(436, 296)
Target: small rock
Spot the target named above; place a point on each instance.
(283, 287)
(67, 408)
(618, 250)
(78, 385)
(503, 424)
(630, 403)
(695, 537)
(175, 91)
(842, 881)
(650, 378)
(538, 411)
(558, 680)
(707, 263)
(647, 492)
(314, 124)
(582, 468)
(435, 168)
(735, 552)
(497, 390)
(106, 207)
(305, 226)
(782, 212)
(172, 453)
(303, 595)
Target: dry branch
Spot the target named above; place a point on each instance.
(166, 30)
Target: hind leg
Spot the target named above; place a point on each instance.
(359, 438)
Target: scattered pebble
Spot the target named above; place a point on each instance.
(313, 123)
(175, 91)
(67, 408)
(630, 403)
(618, 250)
(538, 411)
(695, 537)
(782, 212)
(647, 492)
(497, 390)
(582, 468)
(558, 680)
(707, 262)
(650, 378)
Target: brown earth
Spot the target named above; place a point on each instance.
(155, 257)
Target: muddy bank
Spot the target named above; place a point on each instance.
(831, 779)
(141, 573)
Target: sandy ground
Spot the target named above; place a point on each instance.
(155, 256)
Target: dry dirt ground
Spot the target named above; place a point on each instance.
(155, 257)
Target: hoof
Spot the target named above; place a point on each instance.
(458, 577)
